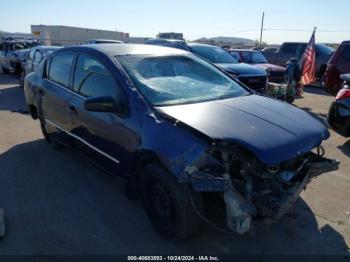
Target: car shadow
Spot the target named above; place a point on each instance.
(345, 148)
(13, 99)
(56, 202)
(320, 116)
(316, 90)
(8, 79)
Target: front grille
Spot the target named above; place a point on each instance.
(257, 83)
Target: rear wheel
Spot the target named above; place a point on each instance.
(21, 79)
(171, 206)
(5, 70)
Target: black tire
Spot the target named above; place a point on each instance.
(5, 70)
(21, 79)
(53, 143)
(290, 99)
(172, 207)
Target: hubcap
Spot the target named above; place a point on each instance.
(162, 203)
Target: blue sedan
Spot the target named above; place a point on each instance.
(174, 126)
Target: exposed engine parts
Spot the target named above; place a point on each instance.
(264, 192)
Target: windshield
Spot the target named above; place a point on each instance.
(171, 80)
(258, 58)
(214, 54)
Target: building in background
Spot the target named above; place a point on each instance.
(66, 35)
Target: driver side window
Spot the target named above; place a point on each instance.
(91, 78)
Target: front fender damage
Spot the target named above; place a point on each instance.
(249, 188)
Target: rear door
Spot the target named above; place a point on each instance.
(54, 95)
(344, 59)
(104, 136)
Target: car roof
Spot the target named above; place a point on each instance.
(106, 40)
(165, 40)
(44, 47)
(245, 50)
(127, 49)
(194, 44)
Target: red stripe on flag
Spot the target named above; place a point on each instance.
(309, 62)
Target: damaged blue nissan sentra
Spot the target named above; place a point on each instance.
(175, 126)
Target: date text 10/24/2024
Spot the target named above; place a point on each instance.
(173, 258)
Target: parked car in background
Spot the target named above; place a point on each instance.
(104, 41)
(339, 112)
(337, 65)
(174, 43)
(35, 57)
(296, 50)
(251, 76)
(269, 49)
(154, 116)
(14, 53)
(170, 35)
(275, 73)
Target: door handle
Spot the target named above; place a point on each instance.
(72, 110)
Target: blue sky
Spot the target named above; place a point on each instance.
(195, 18)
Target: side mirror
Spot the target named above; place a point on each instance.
(104, 104)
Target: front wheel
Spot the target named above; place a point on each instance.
(53, 143)
(172, 207)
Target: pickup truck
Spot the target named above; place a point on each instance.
(289, 50)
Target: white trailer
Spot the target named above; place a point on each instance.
(66, 35)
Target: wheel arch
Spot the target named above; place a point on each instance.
(141, 158)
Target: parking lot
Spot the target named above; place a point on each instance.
(57, 202)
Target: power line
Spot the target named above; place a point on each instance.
(305, 30)
(313, 10)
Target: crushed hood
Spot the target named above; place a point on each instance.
(273, 130)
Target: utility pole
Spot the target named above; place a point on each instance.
(262, 27)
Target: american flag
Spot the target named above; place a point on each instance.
(308, 62)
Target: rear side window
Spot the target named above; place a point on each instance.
(38, 56)
(345, 54)
(60, 69)
(289, 48)
(31, 53)
(91, 78)
(246, 57)
(236, 55)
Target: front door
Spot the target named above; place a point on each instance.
(106, 137)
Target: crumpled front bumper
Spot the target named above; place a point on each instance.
(315, 169)
(239, 212)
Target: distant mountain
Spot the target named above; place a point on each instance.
(227, 39)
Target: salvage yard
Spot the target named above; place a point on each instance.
(56, 202)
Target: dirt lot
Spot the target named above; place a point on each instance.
(56, 202)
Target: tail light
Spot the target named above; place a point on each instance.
(343, 93)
